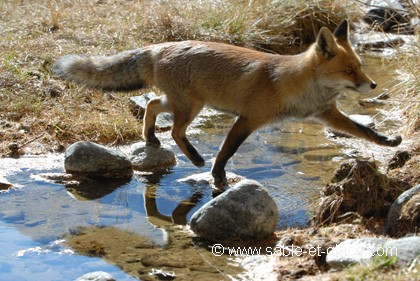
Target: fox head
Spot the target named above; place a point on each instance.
(339, 67)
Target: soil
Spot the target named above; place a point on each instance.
(181, 258)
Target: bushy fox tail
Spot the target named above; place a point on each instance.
(120, 72)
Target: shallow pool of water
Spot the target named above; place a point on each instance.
(37, 217)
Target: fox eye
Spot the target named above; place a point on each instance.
(349, 71)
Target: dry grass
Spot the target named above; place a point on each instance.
(357, 188)
(42, 113)
(406, 94)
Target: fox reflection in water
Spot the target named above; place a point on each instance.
(179, 214)
(138, 254)
(96, 189)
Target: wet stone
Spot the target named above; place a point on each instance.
(148, 158)
(96, 161)
(207, 179)
(245, 211)
(96, 276)
(322, 155)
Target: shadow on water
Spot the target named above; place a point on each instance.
(137, 227)
(94, 189)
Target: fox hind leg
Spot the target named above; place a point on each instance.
(153, 108)
(182, 118)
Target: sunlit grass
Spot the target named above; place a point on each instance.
(36, 33)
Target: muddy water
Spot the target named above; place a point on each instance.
(134, 229)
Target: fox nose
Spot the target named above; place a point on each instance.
(373, 85)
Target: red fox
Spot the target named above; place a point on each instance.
(257, 87)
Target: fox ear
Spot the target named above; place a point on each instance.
(342, 31)
(326, 44)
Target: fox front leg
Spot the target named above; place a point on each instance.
(237, 135)
(334, 118)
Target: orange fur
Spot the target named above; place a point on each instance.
(257, 87)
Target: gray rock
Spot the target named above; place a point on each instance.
(96, 276)
(353, 251)
(147, 158)
(394, 224)
(138, 108)
(206, 178)
(363, 250)
(97, 161)
(406, 249)
(244, 211)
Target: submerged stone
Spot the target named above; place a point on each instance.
(148, 158)
(244, 211)
(96, 161)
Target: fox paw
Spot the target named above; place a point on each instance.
(153, 142)
(221, 183)
(196, 158)
(220, 180)
(393, 141)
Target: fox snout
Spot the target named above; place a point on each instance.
(373, 85)
(366, 85)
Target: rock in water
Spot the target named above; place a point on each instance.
(96, 276)
(148, 158)
(96, 161)
(244, 211)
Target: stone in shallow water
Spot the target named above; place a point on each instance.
(207, 179)
(96, 276)
(244, 211)
(148, 158)
(96, 161)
